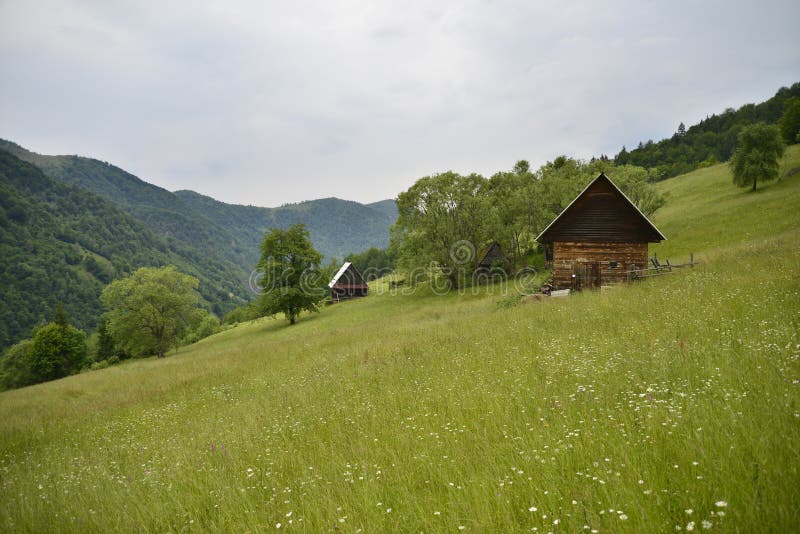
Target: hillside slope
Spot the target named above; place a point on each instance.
(336, 227)
(666, 405)
(219, 231)
(60, 243)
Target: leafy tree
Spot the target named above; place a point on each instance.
(442, 219)
(150, 310)
(15, 369)
(790, 121)
(758, 154)
(681, 130)
(203, 325)
(292, 280)
(57, 350)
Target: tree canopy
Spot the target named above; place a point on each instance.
(150, 310)
(790, 121)
(757, 155)
(292, 280)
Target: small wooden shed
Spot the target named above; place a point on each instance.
(598, 238)
(348, 283)
(489, 256)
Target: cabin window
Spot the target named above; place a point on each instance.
(612, 265)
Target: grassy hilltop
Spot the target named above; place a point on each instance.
(670, 403)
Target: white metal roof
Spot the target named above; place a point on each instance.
(338, 275)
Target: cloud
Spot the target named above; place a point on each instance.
(272, 102)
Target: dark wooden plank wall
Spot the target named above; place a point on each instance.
(568, 257)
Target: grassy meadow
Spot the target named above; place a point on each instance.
(671, 404)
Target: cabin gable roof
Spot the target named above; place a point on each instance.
(601, 213)
(348, 276)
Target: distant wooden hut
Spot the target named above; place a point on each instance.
(598, 238)
(348, 283)
(491, 256)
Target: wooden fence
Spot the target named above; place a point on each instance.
(657, 268)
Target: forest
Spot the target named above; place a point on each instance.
(713, 139)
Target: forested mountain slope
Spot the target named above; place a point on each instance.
(224, 232)
(60, 243)
(710, 141)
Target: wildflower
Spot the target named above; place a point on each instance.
(690, 526)
(623, 517)
(277, 525)
(688, 511)
(721, 504)
(532, 509)
(706, 524)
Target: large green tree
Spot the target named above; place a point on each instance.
(442, 219)
(757, 155)
(292, 280)
(150, 310)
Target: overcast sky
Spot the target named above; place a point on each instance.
(272, 102)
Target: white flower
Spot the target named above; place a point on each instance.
(623, 517)
(690, 526)
(277, 525)
(721, 504)
(532, 509)
(706, 524)
(437, 513)
(688, 511)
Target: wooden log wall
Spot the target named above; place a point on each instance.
(578, 258)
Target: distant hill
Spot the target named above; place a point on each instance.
(60, 243)
(388, 206)
(337, 227)
(710, 141)
(218, 230)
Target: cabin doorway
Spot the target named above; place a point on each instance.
(586, 275)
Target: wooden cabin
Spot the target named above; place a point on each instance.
(489, 256)
(598, 239)
(348, 283)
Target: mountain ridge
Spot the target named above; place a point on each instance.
(186, 215)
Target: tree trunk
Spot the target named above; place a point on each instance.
(754, 183)
(160, 353)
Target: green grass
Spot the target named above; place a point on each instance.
(619, 410)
